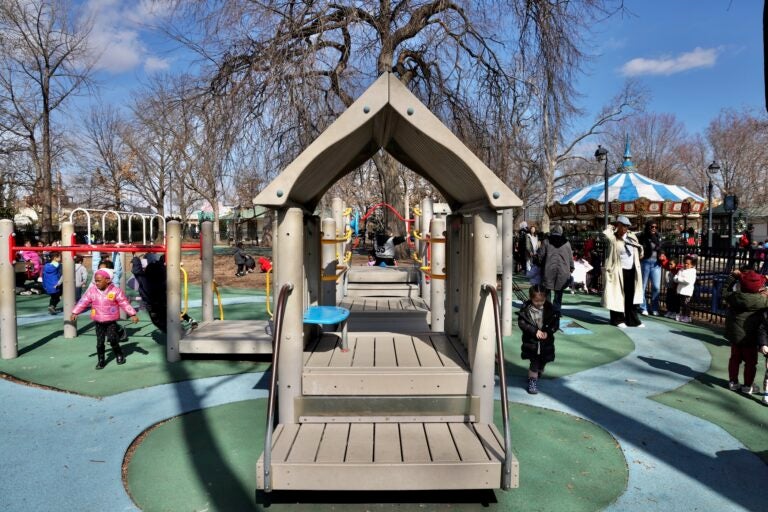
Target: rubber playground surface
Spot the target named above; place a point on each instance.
(639, 419)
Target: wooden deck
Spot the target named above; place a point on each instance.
(386, 456)
(228, 337)
(385, 364)
(401, 314)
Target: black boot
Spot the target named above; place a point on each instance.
(101, 363)
(119, 357)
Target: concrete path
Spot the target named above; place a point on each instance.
(64, 452)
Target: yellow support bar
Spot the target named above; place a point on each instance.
(218, 299)
(186, 291)
(269, 307)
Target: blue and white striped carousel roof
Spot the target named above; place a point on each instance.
(629, 186)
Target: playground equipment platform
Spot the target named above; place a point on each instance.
(230, 337)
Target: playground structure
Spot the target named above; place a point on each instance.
(211, 337)
(409, 406)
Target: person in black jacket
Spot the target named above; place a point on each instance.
(241, 259)
(538, 322)
(650, 266)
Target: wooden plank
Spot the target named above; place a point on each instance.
(384, 352)
(441, 447)
(426, 352)
(310, 348)
(387, 477)
(360, 443)
(344, 359)
(363, 356)
(307, 442)
(386, 443)
(384, 381)
(405, 352)
(321, 356)
(283, 438)
(489, 441)
(468, 445)
(333, 444)
(446, 352)
(414, 443)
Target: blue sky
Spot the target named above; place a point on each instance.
(695, 57)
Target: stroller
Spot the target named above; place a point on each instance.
(151, 280)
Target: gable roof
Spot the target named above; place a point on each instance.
(388, 116)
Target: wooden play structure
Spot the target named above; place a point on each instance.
(409, 404)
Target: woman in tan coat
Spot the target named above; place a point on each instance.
(623, 281)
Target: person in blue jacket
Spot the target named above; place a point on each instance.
(52, 276)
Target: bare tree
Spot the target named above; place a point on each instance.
(739, 141)
(107, 156)
(44, 61)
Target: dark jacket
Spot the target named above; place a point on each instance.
(532, 346)
(650, 242)
(745, 314)
(762, 330)
(239, 255)
(556, 257)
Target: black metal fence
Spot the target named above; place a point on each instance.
(713, 266)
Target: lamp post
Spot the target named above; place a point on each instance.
(602, 156)
(711, 171)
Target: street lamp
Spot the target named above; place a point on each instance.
(711, 171)
(602, 156)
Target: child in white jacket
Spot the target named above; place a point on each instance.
(685, 279)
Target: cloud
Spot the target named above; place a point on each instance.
(154, 64)
(698, 58)
(119, 34)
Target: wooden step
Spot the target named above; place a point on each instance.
(228, 337)
(386, 364)
(386, 456)
(386, 409)
(382, 290)
(383, 275)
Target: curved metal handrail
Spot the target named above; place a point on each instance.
(506, 477)
(277, 333)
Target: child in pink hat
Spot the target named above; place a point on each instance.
(105, 300)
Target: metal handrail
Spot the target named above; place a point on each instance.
(506, 479)
(278, 331)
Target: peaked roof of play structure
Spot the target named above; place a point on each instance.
(388, 116)
(628, 185)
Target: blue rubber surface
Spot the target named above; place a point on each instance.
(64, 452)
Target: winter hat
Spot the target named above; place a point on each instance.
(104, 272)
(557, 230)
(751, 281)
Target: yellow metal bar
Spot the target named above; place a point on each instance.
(186, 291)
(218, 299)
(269, 304)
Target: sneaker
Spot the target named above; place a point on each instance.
(733, 385)
(765, 399)
(51, 310)
(750, 390)
(670, 314)
(533, 387)
(641, 325)
(25, 292)
(685, 319)
(644, 313)
(655, 313)
(35, 291)
(622, 325)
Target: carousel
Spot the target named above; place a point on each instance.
(630, 194)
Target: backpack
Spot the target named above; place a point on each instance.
(743, 241)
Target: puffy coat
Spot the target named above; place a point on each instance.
(32, 257)
(531, 345)
(556, 258)
(105, 305)
(613, 278)
(51, 277)
(742, 323)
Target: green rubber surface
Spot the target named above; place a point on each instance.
(568, 464)
(708, 397)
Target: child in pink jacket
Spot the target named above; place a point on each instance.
(105, 299)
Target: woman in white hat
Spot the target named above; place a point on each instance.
(622, 279)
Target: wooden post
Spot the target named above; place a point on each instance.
(8, 335)
(507, 270)
(290, 270)
(481, 357)
(173, 290)
(328, 263)
(453, 280)
(438, 273)
(312, 257)
(206, 270)
(426, 222)
(68, 280)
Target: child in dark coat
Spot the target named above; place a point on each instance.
(538, 322)
(762, 343)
